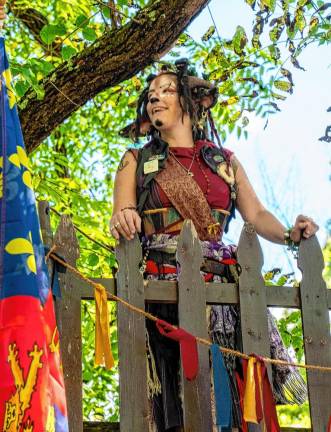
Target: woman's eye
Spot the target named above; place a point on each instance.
(169, 91)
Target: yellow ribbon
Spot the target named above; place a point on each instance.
(103, 354)
(260, 383)
(249, 396)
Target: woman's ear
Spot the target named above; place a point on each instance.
(207, 101)
(144, 127)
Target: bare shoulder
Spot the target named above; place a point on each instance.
(128, 159)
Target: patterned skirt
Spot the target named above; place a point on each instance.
(224, 329)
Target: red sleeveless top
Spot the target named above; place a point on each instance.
(218, 194)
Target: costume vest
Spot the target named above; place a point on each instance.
(156, 153)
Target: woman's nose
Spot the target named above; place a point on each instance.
(154, 99)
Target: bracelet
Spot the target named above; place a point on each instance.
(129, 208)
(291, 244)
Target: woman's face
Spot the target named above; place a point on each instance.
(163, 105)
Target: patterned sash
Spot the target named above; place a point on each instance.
(188, 199)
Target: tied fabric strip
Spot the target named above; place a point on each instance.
(188, 347)
(222, 390)
(103, 354)
(258, 404)
(250, 401)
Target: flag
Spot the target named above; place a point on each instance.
(32, 395)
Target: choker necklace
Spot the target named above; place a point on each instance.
(188, 170)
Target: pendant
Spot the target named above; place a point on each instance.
(190, 173)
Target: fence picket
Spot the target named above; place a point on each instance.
(252, 297)
(131, 339)
(316, 331)
(192, 317)
(69, 324)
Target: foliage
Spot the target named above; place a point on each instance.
(327, 260)
(294, 415)
(74, 168)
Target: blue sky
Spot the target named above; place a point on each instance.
(287, 155)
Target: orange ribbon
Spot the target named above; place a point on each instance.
(103, 354)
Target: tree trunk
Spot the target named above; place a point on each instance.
(116, 56)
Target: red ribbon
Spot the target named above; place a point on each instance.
(188, 347)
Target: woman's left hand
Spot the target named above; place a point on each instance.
(304, 227)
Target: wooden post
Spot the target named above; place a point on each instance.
(252, 297)
(69, 324)
(45, 223)
(192, 317)
(131, 339)
(47, 235)
(316, 331)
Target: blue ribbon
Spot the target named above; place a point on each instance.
(223, 400)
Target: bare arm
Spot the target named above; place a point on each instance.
(265, 223)
(125, 220)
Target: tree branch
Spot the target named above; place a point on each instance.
(34, 21)
(115, 57)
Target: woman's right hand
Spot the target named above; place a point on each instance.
(125, 222)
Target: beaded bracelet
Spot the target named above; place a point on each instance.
(291, 244)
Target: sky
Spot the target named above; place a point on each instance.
(287, 155)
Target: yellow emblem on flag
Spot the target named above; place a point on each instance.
(19, 246)
(20, 401)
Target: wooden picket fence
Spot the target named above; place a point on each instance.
(192, 295)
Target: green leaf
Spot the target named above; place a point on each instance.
(299, 19)
(89, 34)
(67, 52)
(21, 88)
(239, 40)
(93, 260)
(313, 25)
(232, 100)
(274, 52)
(60, 29)
(269, 4)
(283, 86)
(40, 91)
(105, 11)
(44, 66)
(209, 33)
(48, 34)
(82, 21)
(276, 32)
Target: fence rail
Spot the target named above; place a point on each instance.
(192, 295)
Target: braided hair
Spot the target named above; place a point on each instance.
(187, 101)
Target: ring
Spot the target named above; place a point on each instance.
(116, 225)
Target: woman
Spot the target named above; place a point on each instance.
(181, 174)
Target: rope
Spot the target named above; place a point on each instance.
(151, 317)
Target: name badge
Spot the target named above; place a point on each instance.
(151, 166)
